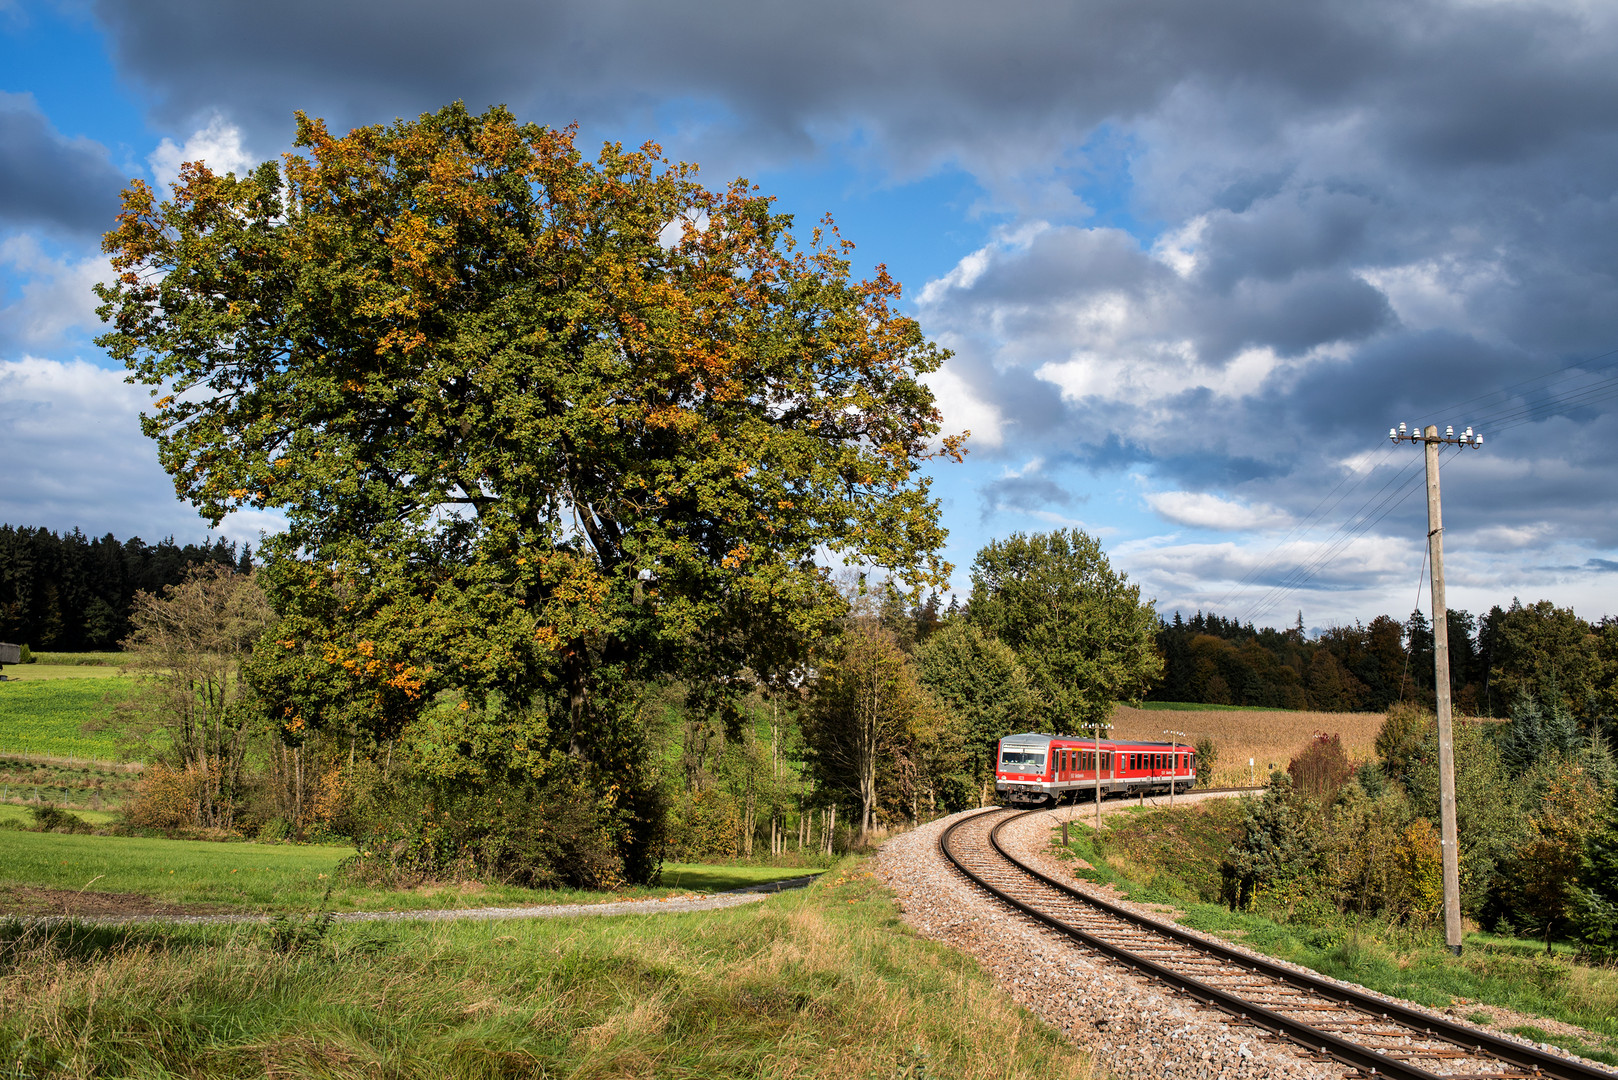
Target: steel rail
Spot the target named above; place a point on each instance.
(1366, 1059)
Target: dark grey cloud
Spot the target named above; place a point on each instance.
(1461, 83)
(1028, 490)
(49, 180)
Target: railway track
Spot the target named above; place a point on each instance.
(1376, 1037)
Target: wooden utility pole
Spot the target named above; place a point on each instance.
(1174, 763)
(1099, 725)
(1449, 841)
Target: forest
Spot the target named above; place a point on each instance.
(1537, 647)
(66, 592)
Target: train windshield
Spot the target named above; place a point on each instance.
(1023, 761)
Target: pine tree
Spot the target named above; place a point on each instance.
(1276, 845)
(1595, 897)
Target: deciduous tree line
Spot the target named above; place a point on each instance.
(906, 708)
(1546, 650)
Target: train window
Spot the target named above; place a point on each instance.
(1026, 761)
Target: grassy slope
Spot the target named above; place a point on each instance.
(1172, 856)
(44, 716)
(84, 787)
(819, 983)
(284, 877)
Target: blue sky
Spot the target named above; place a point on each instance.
(1194, 258)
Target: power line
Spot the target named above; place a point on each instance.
(1589, 381)
(1388, 498)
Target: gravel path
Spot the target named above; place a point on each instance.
(1132, 1026)
(669, 905)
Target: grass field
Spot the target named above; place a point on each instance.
(282, 877)
(44, 716)
(34, 673)
(80, 659)
(1172, 857)
(1270, 737)
(819, 983)
(69, 783)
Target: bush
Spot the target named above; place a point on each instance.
(1321, 769)
(1362, 845)
(704, 825)
(1421, 859)
(1595, 899)
(166, 798)
(1372, 779)
(1207, 759)
(1277, 848)
(49, 818)
(541, 833)
(1399, 743)
(26, 655)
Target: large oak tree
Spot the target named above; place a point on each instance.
(537, 424)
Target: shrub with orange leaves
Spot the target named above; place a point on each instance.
(166, 797)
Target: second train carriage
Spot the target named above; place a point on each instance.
(1035, 769)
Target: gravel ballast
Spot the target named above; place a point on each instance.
(1132, 1026)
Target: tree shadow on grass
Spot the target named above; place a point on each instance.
(71, 940)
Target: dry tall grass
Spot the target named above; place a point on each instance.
(1271, 739)
(821, 984)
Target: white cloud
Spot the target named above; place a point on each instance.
(1204, 511)
(55, 294)
(963, 410)
(219, 143)
(1438, 293)
(75, 457)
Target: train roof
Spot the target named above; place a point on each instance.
(1039, 738)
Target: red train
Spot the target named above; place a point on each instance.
(1042, 770)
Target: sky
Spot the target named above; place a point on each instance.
(1193, 258)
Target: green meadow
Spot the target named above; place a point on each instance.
(45, 711)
